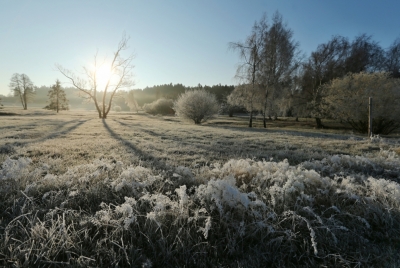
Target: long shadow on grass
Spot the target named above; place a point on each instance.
(143, 155)
(223, 147)
(150, 132)
(285, 132)
(221, 150)
(54, 135)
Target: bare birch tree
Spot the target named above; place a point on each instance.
(120, 77)
(250, 53)
(22, 87)
(268, 57)
(279, 62)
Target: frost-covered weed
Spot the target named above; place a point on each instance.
(375, 138)
(121, 216)
(132, 178)
(356, 165)
(238, 209)
(14, 169)
(183, 197)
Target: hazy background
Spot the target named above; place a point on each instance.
(175, 41)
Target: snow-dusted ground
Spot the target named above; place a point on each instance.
(147, 190)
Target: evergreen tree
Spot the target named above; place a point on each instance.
(58, 99)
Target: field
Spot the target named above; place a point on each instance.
(136, 190)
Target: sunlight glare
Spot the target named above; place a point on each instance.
(103, 74)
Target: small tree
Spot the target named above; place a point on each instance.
(22, 87)
(116, 76)
(197, 105)
(57, 98)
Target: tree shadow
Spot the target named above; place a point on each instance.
(52, 135)
(224, 146)
(64, 132)
(150, 132)
(298, 133)
(148, 158)
(223, 149)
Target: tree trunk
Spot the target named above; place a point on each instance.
(264, 120)
(251, 119)
(230, 113)
(319, 122)
(297, 119)
(25, 103)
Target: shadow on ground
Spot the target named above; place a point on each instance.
(148, 158)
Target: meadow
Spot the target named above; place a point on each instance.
(136, 190)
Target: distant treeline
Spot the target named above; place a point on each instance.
(142, 96)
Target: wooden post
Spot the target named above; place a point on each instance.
(369, 117)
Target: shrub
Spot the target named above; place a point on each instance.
(347, 99)
(197, 105)
(161, 106)
(117, 108)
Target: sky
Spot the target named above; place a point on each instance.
(173, 41)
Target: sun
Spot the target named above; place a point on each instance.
(103, 75)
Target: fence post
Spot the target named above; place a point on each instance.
(369, 117)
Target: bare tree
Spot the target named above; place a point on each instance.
(250, 53)
(279, 62)
(335, 59)
(392, 59)
(324, 64)
(22, 87)
(268, 62)
(120, 76)
(58, 99)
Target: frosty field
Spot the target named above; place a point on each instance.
(136, 190)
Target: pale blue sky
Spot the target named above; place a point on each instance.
(175, 41)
